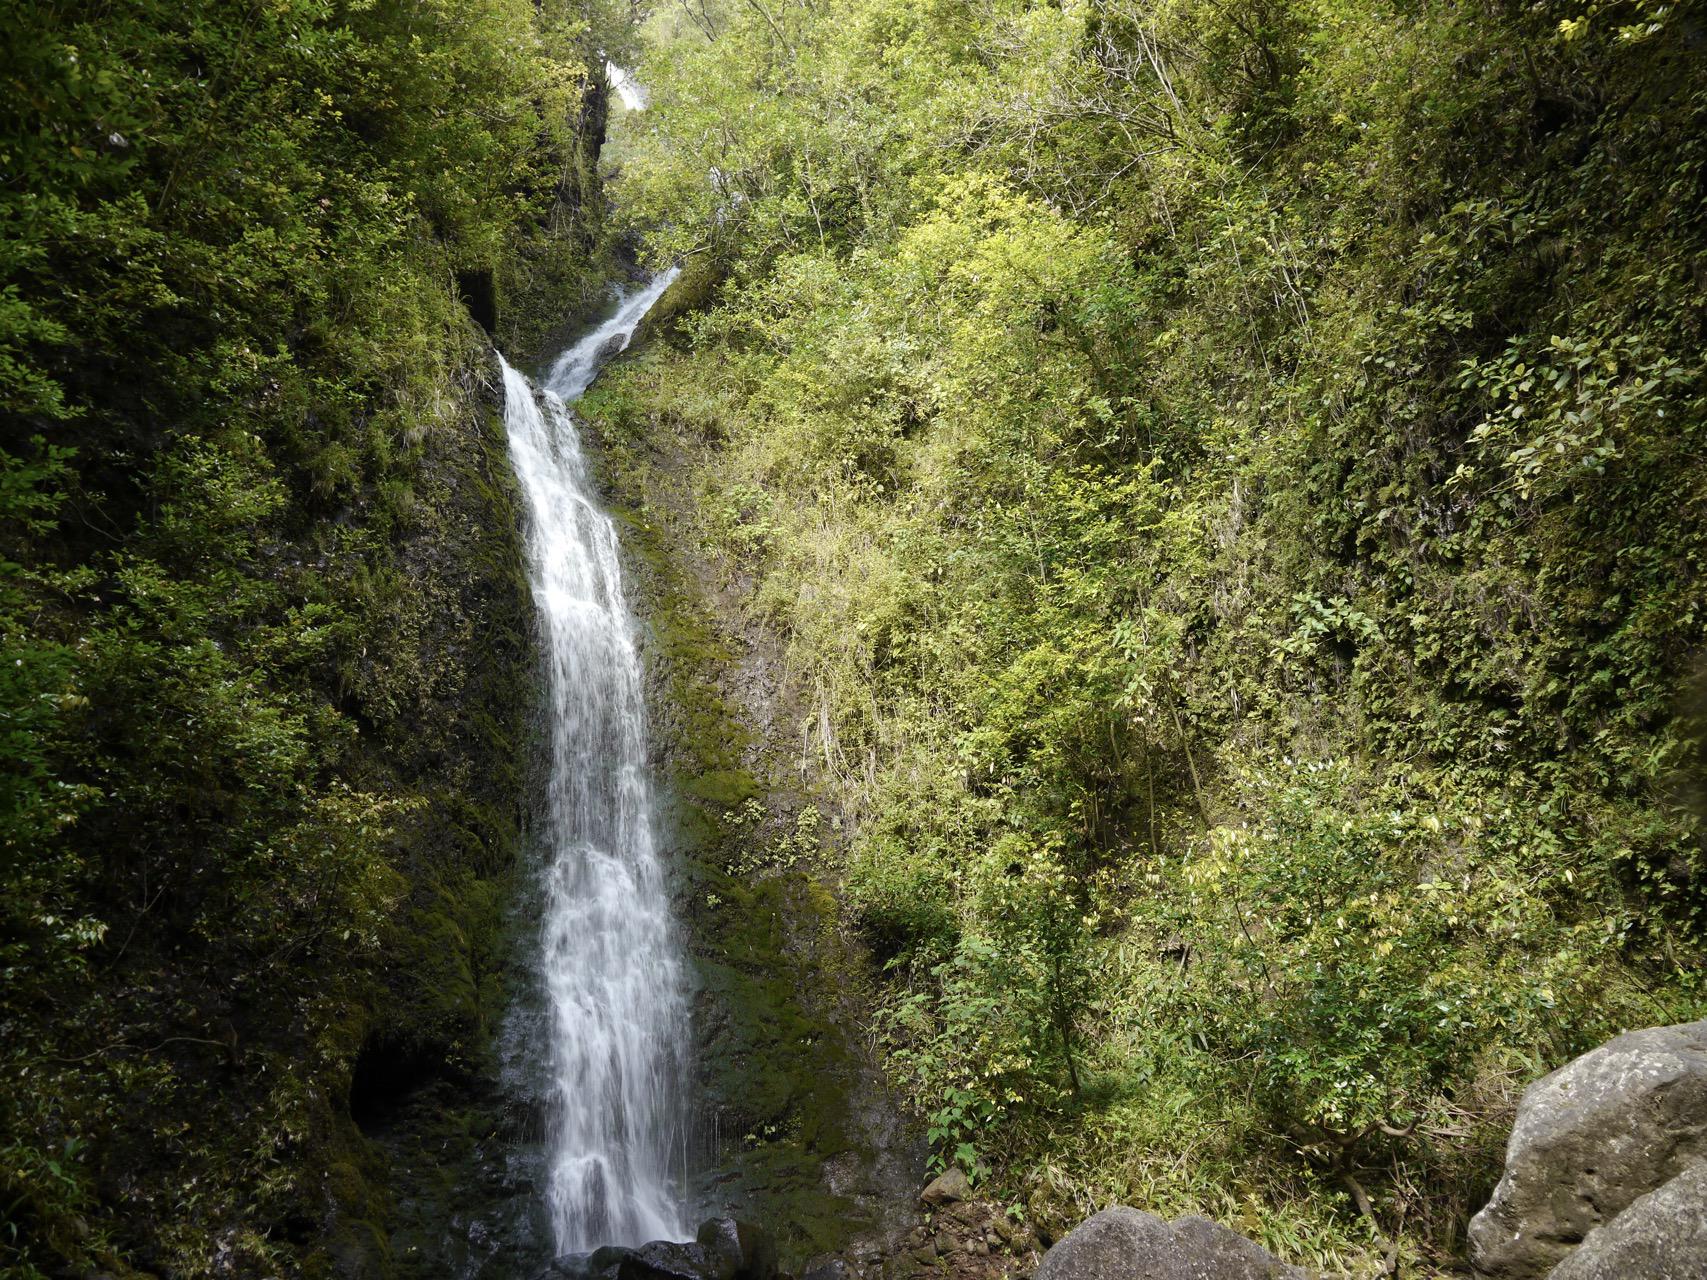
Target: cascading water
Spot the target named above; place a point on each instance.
(572, 372)
(615, 1015)
(626, 87)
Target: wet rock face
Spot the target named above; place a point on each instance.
(828, 1268)
(746, 1251)
(723, 1249)
(1128, 1244)
(1591, 1142)
(479, 294)
(831, 1160)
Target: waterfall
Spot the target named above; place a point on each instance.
(626, 87)
(573, 371)
(613, 979)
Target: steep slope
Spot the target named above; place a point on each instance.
(1226, 482)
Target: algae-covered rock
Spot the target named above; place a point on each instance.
(746, 1251)
(802, 1135)
(691, 291)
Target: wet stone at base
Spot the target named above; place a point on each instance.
(723, 1249)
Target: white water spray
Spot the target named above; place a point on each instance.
(573, 371)
(626, 87)
(612, 972)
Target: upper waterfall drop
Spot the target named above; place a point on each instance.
(573, 371)
(611, 969)
(627, 89)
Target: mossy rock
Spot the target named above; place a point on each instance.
(691, 291)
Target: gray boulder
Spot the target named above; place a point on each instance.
(724, 1249)
(668, 1260)
(600, 1264)
(1590, 1140)
(1216, 1252)
(1661, 1236)
(950, 1188)
(1127, 1244)
(1117, 1244)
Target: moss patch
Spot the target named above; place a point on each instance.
(780, 1076)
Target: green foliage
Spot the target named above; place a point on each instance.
(239, 396)
(1228, 478)
(1363, 961)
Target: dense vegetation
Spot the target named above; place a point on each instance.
(263, 632)
(1229, 478)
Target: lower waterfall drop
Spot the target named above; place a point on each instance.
(613, 977)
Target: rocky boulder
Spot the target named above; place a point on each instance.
(1116, 1244)
(951, 1188)
(723, 1249)
(1590, 1140)
(1661, 1236)
(1215, 1252)
(746, 1251)
(1128, 1244)
(668, 1260)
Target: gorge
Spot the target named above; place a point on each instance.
(1068, 638)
